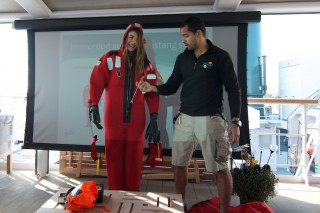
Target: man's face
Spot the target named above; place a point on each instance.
(188, 38)
(132, 40)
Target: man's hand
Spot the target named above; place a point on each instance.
(146, 87)
(95, 116)
(233, 133)
(153, 132)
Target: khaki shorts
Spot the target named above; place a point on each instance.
(210, 132)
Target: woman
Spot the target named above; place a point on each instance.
(124, 115)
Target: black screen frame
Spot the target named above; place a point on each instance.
(239, 19)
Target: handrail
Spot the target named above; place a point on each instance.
(304, 103)
(282, 101)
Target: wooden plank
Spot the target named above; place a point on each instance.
(158, 176)
(168, 176)
(62, 163)
(196, 171)
(9, 163)
(79, 165)
(124, 202)
(93, 171)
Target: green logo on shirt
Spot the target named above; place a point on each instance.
(206, 65)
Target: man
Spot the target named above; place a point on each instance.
(202, 70)
(124, 112)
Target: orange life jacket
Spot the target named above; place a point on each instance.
(82, 196)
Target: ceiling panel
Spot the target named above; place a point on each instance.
(30, 9)
(10, 6)
(274, 1)
(62, 5)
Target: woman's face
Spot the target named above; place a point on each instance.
(132, 40)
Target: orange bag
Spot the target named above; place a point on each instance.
(82, 197)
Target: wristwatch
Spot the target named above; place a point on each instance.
(238, 123)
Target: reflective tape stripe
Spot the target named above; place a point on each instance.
(110, 63)
(118, 62)
(151, 76)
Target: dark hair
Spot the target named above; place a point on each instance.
(194, 23)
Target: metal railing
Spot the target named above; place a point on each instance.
(304, 105)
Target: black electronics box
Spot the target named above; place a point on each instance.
(100, 193)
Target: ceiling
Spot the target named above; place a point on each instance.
(11, 10)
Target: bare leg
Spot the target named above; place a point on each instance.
(224, 185)
(180, 180)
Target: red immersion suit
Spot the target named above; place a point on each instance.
(124, 115)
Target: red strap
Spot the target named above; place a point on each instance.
(155, 155)
(94, 155)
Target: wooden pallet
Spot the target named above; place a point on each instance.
(80, 163)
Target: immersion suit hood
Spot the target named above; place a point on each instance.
(129, 28)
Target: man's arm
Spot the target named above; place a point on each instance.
(170, 87)
(232, 87)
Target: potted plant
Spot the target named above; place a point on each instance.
(253, 183)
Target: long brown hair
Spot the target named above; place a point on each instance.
(139, 63)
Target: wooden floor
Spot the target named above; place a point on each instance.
(21, 191)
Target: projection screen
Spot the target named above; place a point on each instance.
(61, 59)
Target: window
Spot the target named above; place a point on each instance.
(13, 76)
(13, 62)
